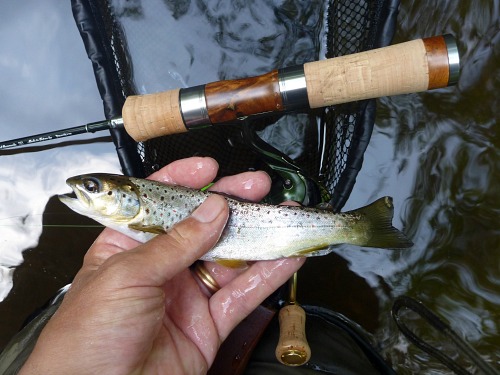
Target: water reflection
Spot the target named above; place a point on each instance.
(28, 192)
(437, 152)
(212, 40)
(47, 84)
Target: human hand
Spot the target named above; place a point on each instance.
(136, 308)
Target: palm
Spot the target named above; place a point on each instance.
(187, 326)
(176, 326)
(174, 342)
(171, 328)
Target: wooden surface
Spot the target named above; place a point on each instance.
(153, 115)
(393, 70)
(235, 352)
(229, 100)
(437, 58)
(403, 68)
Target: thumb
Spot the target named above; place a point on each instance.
(160, 259)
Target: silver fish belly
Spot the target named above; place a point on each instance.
(143, 208)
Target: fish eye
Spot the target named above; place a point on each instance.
(92, 185)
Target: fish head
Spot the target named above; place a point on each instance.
(103, 197)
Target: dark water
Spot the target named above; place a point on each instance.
(443, 168)
(434, 152)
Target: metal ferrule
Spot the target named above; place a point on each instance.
(194, 107)
(292, 81)
(453, 59)
(116, 122)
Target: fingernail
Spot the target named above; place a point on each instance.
(210, 209)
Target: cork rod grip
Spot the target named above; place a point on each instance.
(404, 68)
(153, 115)
(292, 348)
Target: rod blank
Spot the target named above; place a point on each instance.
(409, 67)
(57, 134)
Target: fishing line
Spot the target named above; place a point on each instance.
(21, 221)
(63, 226)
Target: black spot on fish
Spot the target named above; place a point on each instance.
(162, 198)
(147, 211)
(110, 192)
(145, 195)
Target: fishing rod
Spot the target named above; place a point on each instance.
(414, 66)
(68, 132)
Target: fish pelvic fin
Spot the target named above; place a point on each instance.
(381, 233)
(231, 263)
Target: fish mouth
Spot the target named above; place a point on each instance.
(67, 197)
(77, 200)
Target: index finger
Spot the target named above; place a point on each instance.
(194, 172)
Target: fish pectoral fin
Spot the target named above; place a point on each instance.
(231, 263)
(155, 229)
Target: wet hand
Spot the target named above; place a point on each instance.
(137, 308)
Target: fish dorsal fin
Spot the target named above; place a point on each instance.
(155, 229)
(231, 263)
(324, 206)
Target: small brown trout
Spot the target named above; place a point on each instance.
(142, 209)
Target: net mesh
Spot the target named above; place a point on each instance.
(327, 144)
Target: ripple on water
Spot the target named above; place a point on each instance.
(446, 146)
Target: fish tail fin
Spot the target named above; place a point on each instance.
(382, 234)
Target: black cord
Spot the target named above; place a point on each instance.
(356, 333)
(436, 322)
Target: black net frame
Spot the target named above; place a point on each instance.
(353, 26)
(344, 130)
